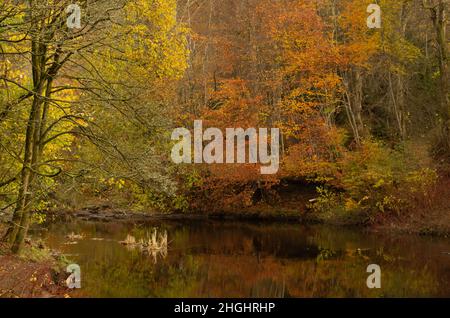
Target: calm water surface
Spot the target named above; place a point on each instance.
(233, 259)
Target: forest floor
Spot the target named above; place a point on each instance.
(35, 274)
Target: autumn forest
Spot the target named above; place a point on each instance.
(358, 91)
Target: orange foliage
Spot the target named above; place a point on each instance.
(276, 64)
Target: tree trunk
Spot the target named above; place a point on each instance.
(353, 83)
(439, 18)
(21, 217)
(438, 15)
(396, 91)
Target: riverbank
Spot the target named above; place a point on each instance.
(431, 218)
(421, 206)
(37, 273)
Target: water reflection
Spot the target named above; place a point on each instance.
(212, 259)
(155, 244)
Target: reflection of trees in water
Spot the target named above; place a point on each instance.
(270, 245)
(132, 273)
(242, 260)
(257, 247)
(269, 288)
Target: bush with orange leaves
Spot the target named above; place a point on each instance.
(228, 187)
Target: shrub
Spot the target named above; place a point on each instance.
(375, 181)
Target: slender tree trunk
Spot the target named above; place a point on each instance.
(396, 91)
(357, 101)
(354, 94)
(396, 80)
(439, 17)
(20, 217)
(440, 23)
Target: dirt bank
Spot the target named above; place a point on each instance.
(37, 273)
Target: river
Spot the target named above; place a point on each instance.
(244, 259)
